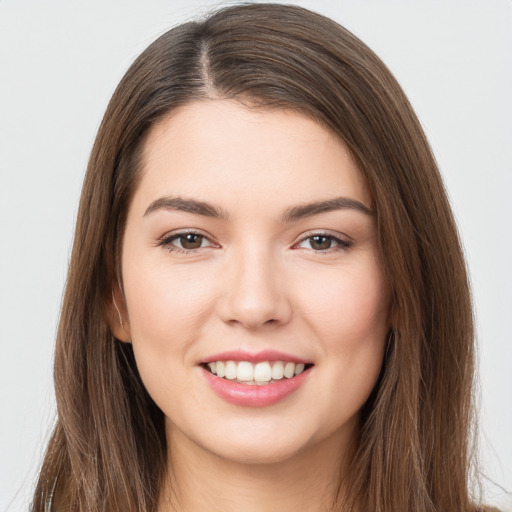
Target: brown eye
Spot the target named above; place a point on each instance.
(186, 241)
(320, 242)
(324, 243)
(191, 241)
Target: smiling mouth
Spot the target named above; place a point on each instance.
(258, 374)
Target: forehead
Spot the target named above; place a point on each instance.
(224, 152)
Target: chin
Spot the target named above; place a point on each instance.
(278, 451)
(268, 442)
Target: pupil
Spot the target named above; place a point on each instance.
(320, 243)
(191, 241)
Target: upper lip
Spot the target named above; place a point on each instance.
(254, 357)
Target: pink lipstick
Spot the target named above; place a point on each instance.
(254, 379)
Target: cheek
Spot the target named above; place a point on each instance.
(347, 305)
(348, 313)
(170, 310)
(167, 307)
(167, 314)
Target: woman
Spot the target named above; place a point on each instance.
(267, 305)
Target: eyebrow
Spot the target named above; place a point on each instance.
(291, 214)
(338, 203)
(186, 205)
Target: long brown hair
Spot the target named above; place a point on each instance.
(108, 450)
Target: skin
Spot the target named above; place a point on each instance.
(256, 282)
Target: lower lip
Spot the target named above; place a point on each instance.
(247, 395)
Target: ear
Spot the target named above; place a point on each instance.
(118, 316)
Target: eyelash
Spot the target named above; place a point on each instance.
(341, 245)
(167, 242)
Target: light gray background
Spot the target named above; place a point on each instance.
(59, 64)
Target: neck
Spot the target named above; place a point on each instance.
(199, 480)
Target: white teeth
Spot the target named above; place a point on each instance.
(221, 368)
(245, 371)
(289, 370)
(257, 374)
(277, 370)
(231, 370)
(262, 372)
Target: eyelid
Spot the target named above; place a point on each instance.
(167, 239)
(344, 241)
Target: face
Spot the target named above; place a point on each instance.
(254, 295)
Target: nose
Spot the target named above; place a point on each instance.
(254, 291)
